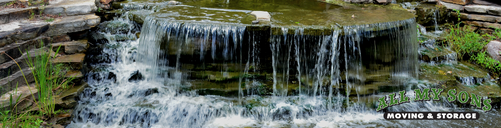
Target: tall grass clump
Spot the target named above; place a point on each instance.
(48, 78)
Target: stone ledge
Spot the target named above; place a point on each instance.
(17, 49)
(21, 93)
(13, 14)
(492, 10)
(16, 80)
(71, 47)
(73, 24)
(19, 31)
(476, 17)
(4, 2)
(460, 2)
(452, 6)
(74, 61)
(484, 24)
(70, 7)
(10, 67)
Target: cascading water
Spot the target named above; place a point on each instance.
(208, 73)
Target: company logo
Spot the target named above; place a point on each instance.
(434, 94)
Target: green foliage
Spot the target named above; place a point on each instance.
(49, 20)
(497, 34)
(487, 62)
(465, 41)
(99, 9)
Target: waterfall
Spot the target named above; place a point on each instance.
(313, 75)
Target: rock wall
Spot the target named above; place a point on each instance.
(62, 23)
(485, 14)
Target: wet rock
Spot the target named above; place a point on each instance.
(147, 92)
(494, 49)
(112, 76)
(437, 54)
(136, 76)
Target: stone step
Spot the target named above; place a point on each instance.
(70, 7)
(5, 2)
(71, 47)
(10, 67)
(477, 17)
(16, 80)
(451, 6)
(75, 61)
(460, 2)
(73, 24)
(16, 50)
(14, 14)
(492, 10)
(484, 24)
(26, 29)
(23, 93)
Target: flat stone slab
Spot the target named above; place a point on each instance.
(484, 24)
(461, 2)
(16, 50)
(492, 10)
(74, 61)
(20, 92)
(70, 7)
(71, 47)
(19, 31)
(486, 18)
(14, 14)
(73, 24)
(452, 6)
(26, 30)
(11, 67)
(16, 80)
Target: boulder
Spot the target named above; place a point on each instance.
(136, 76)
(493, 48)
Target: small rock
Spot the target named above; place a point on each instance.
(112, 76)
(136, 76)
(173, 2)
(255, 22)
(261, 15)
(494, 49)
